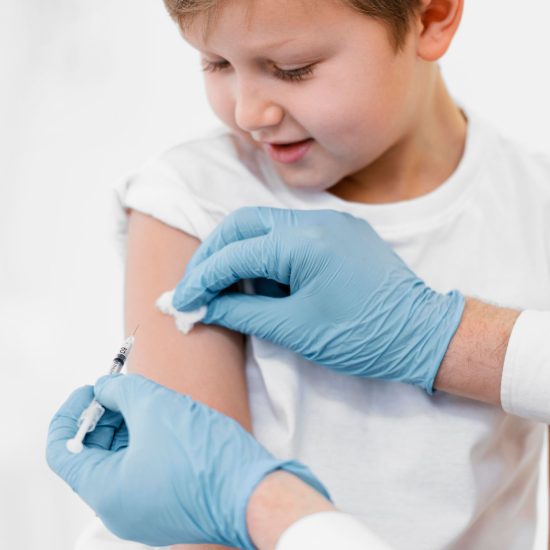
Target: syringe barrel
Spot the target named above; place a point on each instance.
(126, 348)
(91, 415)
(122, 356)
(116, 367)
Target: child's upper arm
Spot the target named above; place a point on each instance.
(208, 363)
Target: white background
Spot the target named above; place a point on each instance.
(88, 91)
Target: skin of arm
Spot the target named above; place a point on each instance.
(208, 363)
(280, 500)
(474, 361)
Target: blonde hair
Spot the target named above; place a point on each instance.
(396, 14)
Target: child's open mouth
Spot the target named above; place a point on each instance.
(288, 153)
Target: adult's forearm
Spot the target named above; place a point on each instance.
(474, 361)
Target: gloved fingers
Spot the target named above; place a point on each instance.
(122, 393)
(75, 469)
(246, 259)
(269, 287)
(259, 316)
(75, 404)
(132, 396)
(121, 438)
(62, 428)
(63, 425)
(245, 223)
(103, 435)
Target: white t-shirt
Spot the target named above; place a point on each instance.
(422, 472)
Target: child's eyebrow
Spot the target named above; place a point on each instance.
(274, 45)
(271, 46)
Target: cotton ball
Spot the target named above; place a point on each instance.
(185, 320)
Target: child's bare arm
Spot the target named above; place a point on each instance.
(208, 363)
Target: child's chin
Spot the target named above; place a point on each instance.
(305, 184)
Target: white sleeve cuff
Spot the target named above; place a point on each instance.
(327, 531)
(525, 388)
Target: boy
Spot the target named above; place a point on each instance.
(340, 105)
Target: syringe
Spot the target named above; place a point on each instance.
(90, 416)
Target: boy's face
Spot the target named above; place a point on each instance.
(360, 101)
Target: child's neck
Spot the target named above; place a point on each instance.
(419, 163)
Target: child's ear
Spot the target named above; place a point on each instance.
(438, 21)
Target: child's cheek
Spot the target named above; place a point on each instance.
(221, 102)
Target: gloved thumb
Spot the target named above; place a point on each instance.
(260, 316)
(122, 393)
(247, 259)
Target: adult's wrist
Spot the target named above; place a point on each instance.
(472, 366)
(278, 501)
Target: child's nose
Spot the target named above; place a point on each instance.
(254, 109)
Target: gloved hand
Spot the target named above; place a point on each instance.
(185, 475)
(354, 305)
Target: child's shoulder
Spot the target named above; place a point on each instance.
(208, 144)
(217, 166)
(202, 179)
(217, 151)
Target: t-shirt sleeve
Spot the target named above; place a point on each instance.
(525, 388)
(329, 530)
(161, 192)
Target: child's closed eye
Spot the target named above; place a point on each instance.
(289, 75)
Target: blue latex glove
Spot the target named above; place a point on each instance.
(354, 305)
(185, 475)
